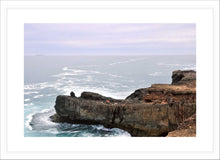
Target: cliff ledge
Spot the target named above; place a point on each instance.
(153, 111)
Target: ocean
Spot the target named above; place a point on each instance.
(46, 77)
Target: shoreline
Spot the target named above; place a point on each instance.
(153, 111)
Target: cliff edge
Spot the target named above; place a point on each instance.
(153, 111)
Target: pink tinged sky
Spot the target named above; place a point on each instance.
(109, 39)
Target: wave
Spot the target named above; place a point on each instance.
(78, 79)
(39, 86)
(117, 132)
(31, 92)
(67, 82)
(28, 104)
(40, 121)
(35, 86)
(30, 117)
(27, 123)
(74, 72)
(106, 91)
(37, 96)
(26, 100)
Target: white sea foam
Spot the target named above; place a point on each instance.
(53, 131)
(117, 132)
(29, 118)
(40, 86)
(120, 133)
(45, 110)
(74, 72)
(86, 134)
(36, 86)
(99, 127)
(37, 96)
(31, 92)
(40, 120)
(28, 104)
(78, 79)
(26, 100)
(66, 83)
(80, 85)
(64, 74)
(101, 90)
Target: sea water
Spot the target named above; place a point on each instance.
(46, 77)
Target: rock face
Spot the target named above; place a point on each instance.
(152, 111)
(185, 129)
(187, 77)
(138, 94)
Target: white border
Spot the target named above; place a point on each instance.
(14, 17)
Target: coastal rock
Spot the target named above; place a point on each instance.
(187, 77)
(96, 96)
(153, 111)
(185, 129)
(138, 94)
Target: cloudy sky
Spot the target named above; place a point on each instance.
(109, 39)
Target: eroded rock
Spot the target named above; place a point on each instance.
(187, 77)
(152, 111)
(185, 129)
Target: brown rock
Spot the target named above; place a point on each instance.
(152, 111)
(185, 129)
(187, 77)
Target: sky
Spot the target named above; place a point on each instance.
(109, 39)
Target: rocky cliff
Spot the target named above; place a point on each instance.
(187, 128)
(152, 111)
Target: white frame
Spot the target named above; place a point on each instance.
(8, 151)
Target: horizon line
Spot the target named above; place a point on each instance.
(112, 55)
